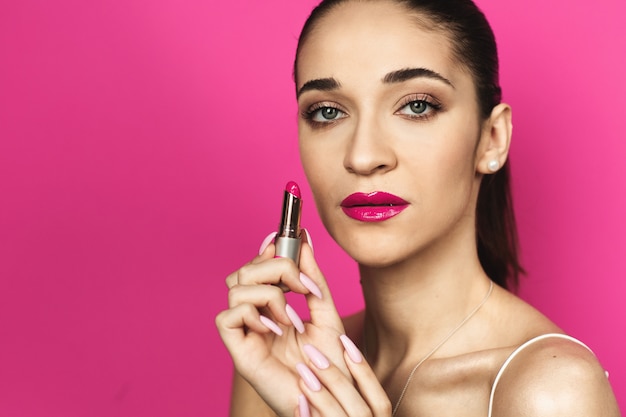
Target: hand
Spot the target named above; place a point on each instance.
(329, 393)
(265, 337)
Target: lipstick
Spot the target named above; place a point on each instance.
(289, 236)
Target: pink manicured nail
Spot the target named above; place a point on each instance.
(308, 377)
(316, 356)
(295, 319)
(266, 242)
(353, 352)
(310, 285)
(303, 406)
(309, 241)
(271, 325)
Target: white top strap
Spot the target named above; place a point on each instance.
(517, 351)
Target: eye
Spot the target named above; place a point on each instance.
(323, 113)
(418, 107)
(415, 107)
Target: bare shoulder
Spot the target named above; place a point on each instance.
(245, 402)
(551, 377)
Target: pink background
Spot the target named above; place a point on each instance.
(143, 150)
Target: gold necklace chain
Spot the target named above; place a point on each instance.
(432, 352)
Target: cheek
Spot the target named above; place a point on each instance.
(323, 170)
(462, 136)
(305, 156)
(458, 165)
(443, 174)
(459, 175)
(320, 168)
(442, 154)
(312, 162)
(321, 155)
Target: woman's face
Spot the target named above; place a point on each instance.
(384, 107)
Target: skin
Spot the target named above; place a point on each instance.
(419, 270)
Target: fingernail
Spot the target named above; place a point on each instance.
(309, 241)
(268, 239)
(316, 356)
(308, 377)
(303, 406)
(295, 319)
(353, 352)
(271, 325)
(310, 285)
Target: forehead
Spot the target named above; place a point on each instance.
(361, 39)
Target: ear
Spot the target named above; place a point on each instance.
(495, 140)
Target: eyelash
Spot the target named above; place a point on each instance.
(433, 107)
(310, 113)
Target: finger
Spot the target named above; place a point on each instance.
(325, 320)
(303, 409)
(307, 238)
(233, 323)
(269, 271)
(318, 396)
(254, 359)
(266, 251)
(268, 245)
(323, 310)
(266, 298)
(369, 386)
(338, 386)
(266, 242)
(249, 349)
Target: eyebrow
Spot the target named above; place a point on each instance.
(399, 76)
(406, 74)
(321, 84)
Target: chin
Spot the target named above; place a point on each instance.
(376, 263)
(379, 255)
(376, 245)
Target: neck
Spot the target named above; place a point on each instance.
(413, 305)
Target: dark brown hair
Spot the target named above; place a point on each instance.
(474, 46)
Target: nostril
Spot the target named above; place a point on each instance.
(368, 154)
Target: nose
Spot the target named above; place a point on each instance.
(369, 150)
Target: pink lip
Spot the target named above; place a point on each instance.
(376, 206)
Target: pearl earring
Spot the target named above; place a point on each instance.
(493, 165)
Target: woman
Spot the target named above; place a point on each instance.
(404, 142)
